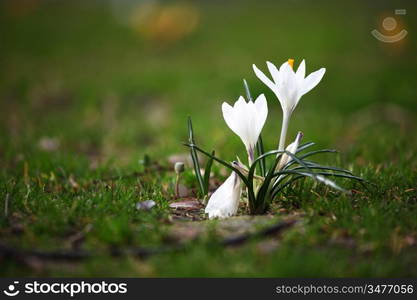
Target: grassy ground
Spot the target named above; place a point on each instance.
(84, 97)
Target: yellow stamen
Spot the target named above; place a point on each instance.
(291, 63)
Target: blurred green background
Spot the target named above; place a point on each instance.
(83, 72)
(91, 86)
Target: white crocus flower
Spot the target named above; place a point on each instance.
(225, 200)
(246, 119)
(291, 148)
(289, 87)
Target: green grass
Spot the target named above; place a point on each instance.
(72, 73)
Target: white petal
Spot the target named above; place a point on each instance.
(301, 71)
(240, 108)
(288, 88)
(261, 108)
(250, 124)
(285, 67)
(312, 80)
(292, 148)
(268, 82)
(229, 117)
(225, 200)
(273, 70)
(246, 119)
(236, 118)
(243, 117)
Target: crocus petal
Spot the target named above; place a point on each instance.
(261, 108)
(232, 116)
(289, 86)
(312, 80)
(301, 71)
(273, 70)
(285, 67)
(292, 148)
(246, 119)
(243, 121)
(268, 82)
(224, 202)
(229, 117)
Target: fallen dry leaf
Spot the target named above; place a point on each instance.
(186, 205)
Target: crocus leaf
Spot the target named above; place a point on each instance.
(224, 163)
(319, 167)
(207, 171)
(318, 177)
(340, 175)
(329, 182)
(260, 151)
(262, 199)
(302, 157)
(317, 152)
(194, 158)
(248, 94)
(263, 156)
(279, 188)
(300, 162)
(294, 159)
(304, 146)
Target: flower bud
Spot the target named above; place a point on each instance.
(179, 167)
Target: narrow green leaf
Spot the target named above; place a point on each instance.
(260, 151)
(261, 198)
(248, 183)
(263, 156)
(244, 179)
(316, 152)
(304, 146)
(294, 159)
(330, 183)
(319, 177)
(194, 158)
(310, 154)
(299, 161)
(278, 188)
(283, 175)
(248, 94)
(340, 175)
(207, 171)
(291, 172)
(319, 167)
(262, 192)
